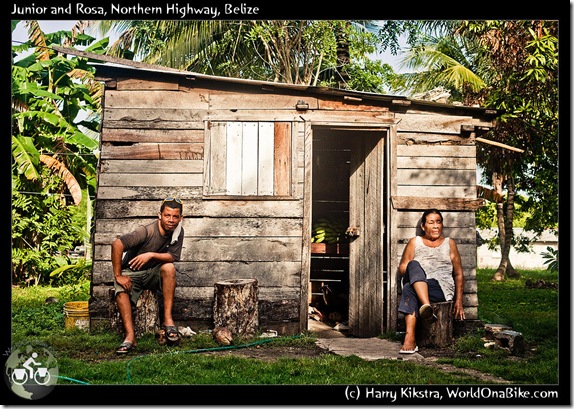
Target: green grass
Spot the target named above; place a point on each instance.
(532, 312)
(88, 357)
(197, 369)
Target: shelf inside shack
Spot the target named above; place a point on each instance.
(335, 249)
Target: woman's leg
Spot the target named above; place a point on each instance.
(409, 342)
(413, 288)
(416, 292)
(418, 280)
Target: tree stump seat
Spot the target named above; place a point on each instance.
(235, 306)
(145, 314)
(439, 333)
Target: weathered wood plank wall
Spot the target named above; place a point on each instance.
(435, 167)
(153, 147)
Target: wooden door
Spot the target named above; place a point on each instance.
(366, 213)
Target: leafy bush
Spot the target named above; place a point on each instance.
(72, 273)
(39, 243)
(55, 122)
(551, 257)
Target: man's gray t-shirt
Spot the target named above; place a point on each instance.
(149, 238)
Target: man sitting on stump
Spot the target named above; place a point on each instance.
(144, 260)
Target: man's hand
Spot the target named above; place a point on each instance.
(125, 282)
(139, 261)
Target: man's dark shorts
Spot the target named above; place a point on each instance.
(141, 280)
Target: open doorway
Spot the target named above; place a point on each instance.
(329, 275)
(348, 211)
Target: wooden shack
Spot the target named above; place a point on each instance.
(257, 164)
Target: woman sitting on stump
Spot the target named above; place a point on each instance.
(432, 272)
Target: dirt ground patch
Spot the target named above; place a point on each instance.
(271, 353)
(480, 376)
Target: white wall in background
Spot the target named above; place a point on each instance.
(533, 260)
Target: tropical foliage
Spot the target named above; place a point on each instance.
(55, 120)
(551, 259)
(511, 66)
(310, 52)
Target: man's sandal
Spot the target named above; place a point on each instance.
(171, 333)
(125, 347)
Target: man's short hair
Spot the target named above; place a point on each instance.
(172, 202)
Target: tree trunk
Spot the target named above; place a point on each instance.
(235, 306)
(509, 222)
(145, 315)
(505, 222)
(497, 184)
(343, 57)
(439, 333)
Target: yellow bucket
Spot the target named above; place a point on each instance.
(76, 315)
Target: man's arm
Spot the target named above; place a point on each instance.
(140, 260)
(117, 253)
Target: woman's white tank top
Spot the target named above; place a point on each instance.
(437, 264)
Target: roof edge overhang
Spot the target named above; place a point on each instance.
(112, 65)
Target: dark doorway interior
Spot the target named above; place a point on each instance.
(329, 275)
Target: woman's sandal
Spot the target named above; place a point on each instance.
(126, 347)
(427, 313)
(171, 333)
(409, 351)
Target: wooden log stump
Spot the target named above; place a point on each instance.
(235, 306)
(439, 333)
(145, 314)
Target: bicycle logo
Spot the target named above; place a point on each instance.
(31, 372)
(21, 375)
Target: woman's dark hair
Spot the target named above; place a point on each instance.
(423, 220)
(427, 212)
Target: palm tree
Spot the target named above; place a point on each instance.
(444, 60)
(508, 65)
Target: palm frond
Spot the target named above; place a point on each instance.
(80, 74)
(186, 39)
(37, 37)
(26, 156)
(460, 76)
(59, 168)
(78, 28)
(433, 66)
